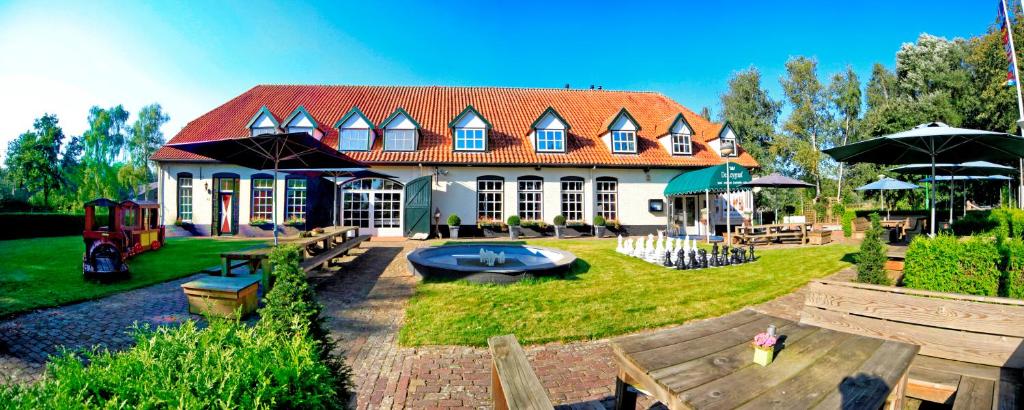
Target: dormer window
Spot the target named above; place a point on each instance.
(300, 121)
(621, 137)
(263, 123)
(727, 139)
(469, 129)
(355, 131)
(676, 135)
(549, 132)
(401, 131)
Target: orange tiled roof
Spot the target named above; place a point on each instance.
(509, 110)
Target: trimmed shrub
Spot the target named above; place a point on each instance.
(946, 264)
(871, 259)
(559, 220)
(21, 225)
(454, 220)
(283, 361)
(514, 220)
(848, 216)
(599, 220)
(1013, 274)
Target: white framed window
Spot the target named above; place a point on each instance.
(607, 195)
(262, 130)
(531, 198)
(400, 140)
(469, 139)
(624, 141)
(572, 199)
(490, 194)
(681, 144)
(262, 198)
(307, 130)
(295, 199)
(550, 140)
(185, 197)
(354, 139)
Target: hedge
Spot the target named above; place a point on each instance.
(283, 361)
(946, 264)
(1013, 273)
(848, 216)
(21, 225)
(1001, 223)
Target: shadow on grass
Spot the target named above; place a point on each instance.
(850, 257)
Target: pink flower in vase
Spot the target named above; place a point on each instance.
(764, 340)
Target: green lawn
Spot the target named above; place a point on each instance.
(608, 294)
(43, 272)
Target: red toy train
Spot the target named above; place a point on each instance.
(132, 227)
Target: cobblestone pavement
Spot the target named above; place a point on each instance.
(27, 340)
(365, 306)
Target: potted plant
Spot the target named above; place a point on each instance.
(259, 223)
(559, 226)
(453, 225)
(599, 226)
(177, 222)
(513, 227)
(764, 347)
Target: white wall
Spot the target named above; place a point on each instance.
(454, 192)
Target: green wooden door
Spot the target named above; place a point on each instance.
(417, 206)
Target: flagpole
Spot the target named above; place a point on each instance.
(1020, 102)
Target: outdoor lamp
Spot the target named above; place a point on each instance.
(437, 221)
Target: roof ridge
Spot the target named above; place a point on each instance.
(491, 87)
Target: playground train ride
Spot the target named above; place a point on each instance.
(131, 227)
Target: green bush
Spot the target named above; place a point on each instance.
(848, 216)
(871, 259)
(559, 220)
(820, 210)
(283, 361)
(514, 220)
(1013, 273)
(975, 222)
(454, 220)
(21, 225)
(599, 220)
(946, 264)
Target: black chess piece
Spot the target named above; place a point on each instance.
(693, 263)
(680, 260)
(703, 259)
(750, 255)
(714, 249)
(726, 256)
(668, 258)
(742, 255)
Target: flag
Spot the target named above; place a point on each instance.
(1004, 29)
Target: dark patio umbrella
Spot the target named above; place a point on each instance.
(335, 174)
(297, 150)
(932, 143)
(973, 168)
(776, 180)
(886, 184)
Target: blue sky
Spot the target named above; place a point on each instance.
(192, 56)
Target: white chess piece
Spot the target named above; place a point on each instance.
(659, 252)
(630, 246)
(686, 251)
(618, 246)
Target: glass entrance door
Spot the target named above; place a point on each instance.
(374, 205)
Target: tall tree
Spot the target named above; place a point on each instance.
(845, 99)
(807, 123)
(103, 146)
(752, 113)
(144, 138)
(32, 158)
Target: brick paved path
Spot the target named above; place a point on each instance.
(26, 340)
(365, 305)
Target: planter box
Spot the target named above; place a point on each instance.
(513, 232)
(222, 296)
(819, 237)
(453, 232)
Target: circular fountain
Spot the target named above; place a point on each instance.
(489, 263)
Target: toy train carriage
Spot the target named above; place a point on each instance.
(128, 229)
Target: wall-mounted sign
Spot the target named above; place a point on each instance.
(656, 205)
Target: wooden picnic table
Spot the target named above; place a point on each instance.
(768, 233)
(256, 258)
(709, 364)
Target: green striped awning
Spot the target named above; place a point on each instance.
(711, 179)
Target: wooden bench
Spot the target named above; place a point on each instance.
(222, 295)
(322, 259)
(860, 225)
(971, 354)
(514, 385)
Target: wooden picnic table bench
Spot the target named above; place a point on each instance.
(222, 295)
(514, 385)
(971, 354)
(320, 247)
(768, 233)
(709, 364)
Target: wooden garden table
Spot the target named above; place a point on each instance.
(709, 364)
(258, 257)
